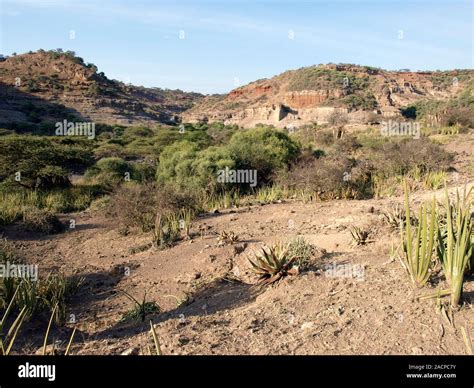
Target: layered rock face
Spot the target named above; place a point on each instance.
(309, 98)
(312, 95)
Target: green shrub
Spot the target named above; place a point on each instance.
(176, 165)
(263, 149)
(189, 168)
(206, 166)
(52, 176)
(108, 150)
(303, 251)
(111, 172)
(165, 136)
(42, 162)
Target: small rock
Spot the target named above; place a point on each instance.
(239, 248)
(49, 350)
(130, 352)
(236, 271)
(307, 325)
(183, 340)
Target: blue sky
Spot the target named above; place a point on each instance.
(231, 43)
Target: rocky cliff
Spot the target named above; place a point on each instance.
(312, 94)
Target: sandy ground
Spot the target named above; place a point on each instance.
(206, 290)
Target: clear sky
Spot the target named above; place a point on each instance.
(212, 46)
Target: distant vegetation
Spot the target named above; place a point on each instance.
(138, 162)
(316, 78)
(437, 114)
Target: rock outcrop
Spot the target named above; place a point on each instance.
(311, 95)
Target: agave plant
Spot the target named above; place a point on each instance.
(273, 263)
(360, 236)
(418, 244)
(395, 217)
(455, 246)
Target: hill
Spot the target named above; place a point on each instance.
(48, 86)
(312, 94)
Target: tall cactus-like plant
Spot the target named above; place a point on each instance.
(418, 244)
(455, 246)
(8, 339)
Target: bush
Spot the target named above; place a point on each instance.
(328, 177)
(263, 149)
(108, 150)
(220, 133)
(41, 159)
(346, 145)
(175, 165)
(189, 168)
(192, 168)
(463, 116)
(52, 176)
(168, 136)
(111, 172)
(338, 119)
(324, 138)
(399, 158)
(39, 220)
(135, 205)
(303, 251)
(207, 165)
(131, 133)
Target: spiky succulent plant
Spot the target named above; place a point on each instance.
(273, 263)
